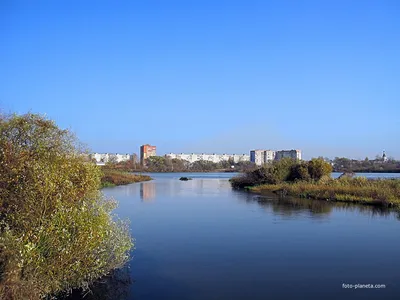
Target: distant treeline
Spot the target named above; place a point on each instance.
(165, 164)
(342, 164)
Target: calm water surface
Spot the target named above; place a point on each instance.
(199, 239)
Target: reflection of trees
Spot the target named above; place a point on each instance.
(369, 210)
(116, 286)
(290, 206)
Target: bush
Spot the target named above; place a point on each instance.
(317, 168)
(299, 171)
(56, 229)
(284, 170)
(281, 170)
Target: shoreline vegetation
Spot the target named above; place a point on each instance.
(161, 164)
(58, 232)
(311, 180)
(377, 165)
(112, 177)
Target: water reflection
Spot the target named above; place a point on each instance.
(296, 207)
(200, 239)
(147, 191)
(116, 286)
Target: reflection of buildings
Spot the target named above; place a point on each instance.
(147, 191)
(146, 151)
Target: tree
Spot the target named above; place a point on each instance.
(112, 159)
(317, 168)
(203, 165)
(299, 171)
(56, 230)
(244, 166)
(342, 164)
(156, 164)
(281, 169)
(180, 165)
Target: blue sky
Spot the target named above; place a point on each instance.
(208, 76)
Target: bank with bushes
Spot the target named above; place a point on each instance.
(112, 177)
(312, 180)
(57, 230)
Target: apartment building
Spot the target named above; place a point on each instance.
(269, 155)
(102, 158)
(146, 151)
(294, 154)
(260, 157)
(257, 157)
(215, 158)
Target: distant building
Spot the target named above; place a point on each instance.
(269, 155)
(294, 154)
(260, 157)
(215, 158)
(103, 158)
(257, 157)
(146, 151)
(384, 157)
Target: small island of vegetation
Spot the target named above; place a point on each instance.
(113, 177)
(312, 180)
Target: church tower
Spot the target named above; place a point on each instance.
(384, 158)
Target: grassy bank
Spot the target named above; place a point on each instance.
(312, 180)
(382, 192)
(114, 177)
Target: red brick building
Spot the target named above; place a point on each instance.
(146, 151)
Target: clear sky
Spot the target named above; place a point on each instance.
(208, 76)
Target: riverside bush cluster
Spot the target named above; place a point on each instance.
(284, 170)
(57, 231)
(312, 180)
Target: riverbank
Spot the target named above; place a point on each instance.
(114, 177)
(380, 192)
(230, 170)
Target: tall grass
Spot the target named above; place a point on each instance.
(384, 192)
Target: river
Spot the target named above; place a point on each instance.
(200, 239)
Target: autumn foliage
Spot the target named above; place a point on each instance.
(56, 228)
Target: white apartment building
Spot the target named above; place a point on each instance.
(106, 157)
(294, 154)
(269, 155)
(257, 157)
(260, 157)
(215, 158)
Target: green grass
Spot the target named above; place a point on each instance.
(113, 177)
(383, 192)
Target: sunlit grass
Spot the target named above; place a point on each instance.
(385, 192)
